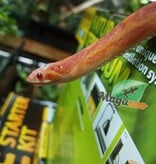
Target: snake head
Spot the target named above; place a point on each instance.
(43, 76)
(51, 73)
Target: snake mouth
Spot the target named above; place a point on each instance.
(33, 80)
(30, 79)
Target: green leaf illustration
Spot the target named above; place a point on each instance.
(129, 89)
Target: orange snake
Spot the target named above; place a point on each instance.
(138, 26)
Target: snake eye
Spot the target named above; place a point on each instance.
(39, 76)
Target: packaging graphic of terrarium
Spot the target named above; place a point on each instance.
(130, 85)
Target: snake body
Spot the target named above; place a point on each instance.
(136, 27)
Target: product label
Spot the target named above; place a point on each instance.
(19, 130)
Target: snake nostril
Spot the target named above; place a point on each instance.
(39, 76)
